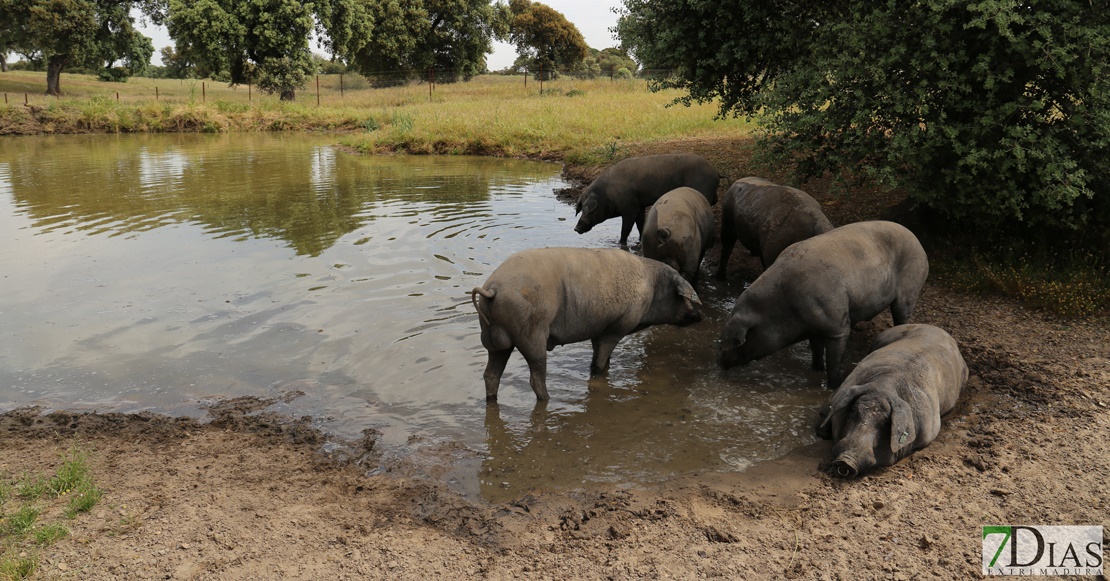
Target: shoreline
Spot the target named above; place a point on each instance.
(248, 496)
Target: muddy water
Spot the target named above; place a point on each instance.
(164, 272)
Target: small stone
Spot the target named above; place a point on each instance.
(926, 542)
(63, 567)
(878, 504)
(183, 546)
(1001, 492)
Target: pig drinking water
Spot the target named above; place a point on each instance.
(630, 186)
(678, 231)
(818, 288)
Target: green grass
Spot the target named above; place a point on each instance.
(577, 120)
(14, 567)
(1074, 284)
(21, 521)
(34, 506)
(50, 533)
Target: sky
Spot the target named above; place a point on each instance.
(593, 19)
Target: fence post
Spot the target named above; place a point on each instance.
(5, 98)
(155, 92)
(340, 84)
(117, 96)
(525, 77)
(541, 77)
(203, 93)
(317, 90)
(248, 89)
(612, 68)
(25, 101)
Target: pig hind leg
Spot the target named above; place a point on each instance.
(535, 353)
(902, 307)
(728, 240)
(495, 367)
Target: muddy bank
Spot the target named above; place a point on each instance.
(246, 494)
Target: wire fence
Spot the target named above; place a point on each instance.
(319, 89)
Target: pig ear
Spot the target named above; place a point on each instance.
(903, 432)
(686, 291)
(842, 399)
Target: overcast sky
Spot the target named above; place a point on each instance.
(593, 18)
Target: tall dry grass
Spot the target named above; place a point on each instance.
(579, 120)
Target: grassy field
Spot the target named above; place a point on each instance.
(34, 510)
(577, 120)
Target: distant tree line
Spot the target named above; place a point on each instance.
(267, 42)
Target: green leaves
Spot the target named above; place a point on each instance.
(545, 38)
(994, 112)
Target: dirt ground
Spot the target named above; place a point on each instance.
(252, 496)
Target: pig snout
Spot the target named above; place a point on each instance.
(855, 454)
(727, 354)
(846, 467)
(583, 226)
(690, 316)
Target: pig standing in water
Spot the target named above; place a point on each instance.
(766, 218)
(544, 297)
(678, 231)
(818, 288)
(891, 403)
(630, 186)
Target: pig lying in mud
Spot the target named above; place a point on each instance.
(766, 218)
(544, 297)
(818, 288)
(678, 230)
(630, 186)
(891, 403)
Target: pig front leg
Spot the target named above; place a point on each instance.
(626, 229)
(834, 352)
(817, 354)
(603, 351)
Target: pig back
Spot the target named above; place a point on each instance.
(864, 266)
(640, 181)
(686, 217)
(928, 359)
(776, 216)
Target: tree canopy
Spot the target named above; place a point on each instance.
(230, 35)
(544, 37)
(994, 112)
(452, 36)
(73, 32)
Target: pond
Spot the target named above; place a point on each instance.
(165, 272)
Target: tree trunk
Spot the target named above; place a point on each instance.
(54, 75)
(288, 95)
(3, 63)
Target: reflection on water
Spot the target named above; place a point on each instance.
(155, 272)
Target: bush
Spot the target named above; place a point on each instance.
(113, 75)
(623, 73)
(993, 113)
